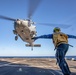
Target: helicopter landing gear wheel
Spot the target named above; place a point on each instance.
(16, 38)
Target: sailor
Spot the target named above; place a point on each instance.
(60, 41)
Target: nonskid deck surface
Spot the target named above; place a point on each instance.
(32, 66)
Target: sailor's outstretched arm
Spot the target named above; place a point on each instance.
(48, 36)
(71, 36)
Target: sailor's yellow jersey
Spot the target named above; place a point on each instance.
(59, 38)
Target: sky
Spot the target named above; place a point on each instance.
(48, 11)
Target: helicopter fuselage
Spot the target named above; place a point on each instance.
(25, 30)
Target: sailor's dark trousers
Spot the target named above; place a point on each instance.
(60, 56)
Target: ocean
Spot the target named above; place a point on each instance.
(68, 57)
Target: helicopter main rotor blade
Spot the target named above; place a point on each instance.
(33, 4)
(56, 25)
(7, 18)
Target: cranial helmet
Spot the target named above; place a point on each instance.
(56, 29)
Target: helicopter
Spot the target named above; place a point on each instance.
(26, 28)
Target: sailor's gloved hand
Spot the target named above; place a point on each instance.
(35, 38)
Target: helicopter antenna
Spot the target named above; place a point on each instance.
(33, 4)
